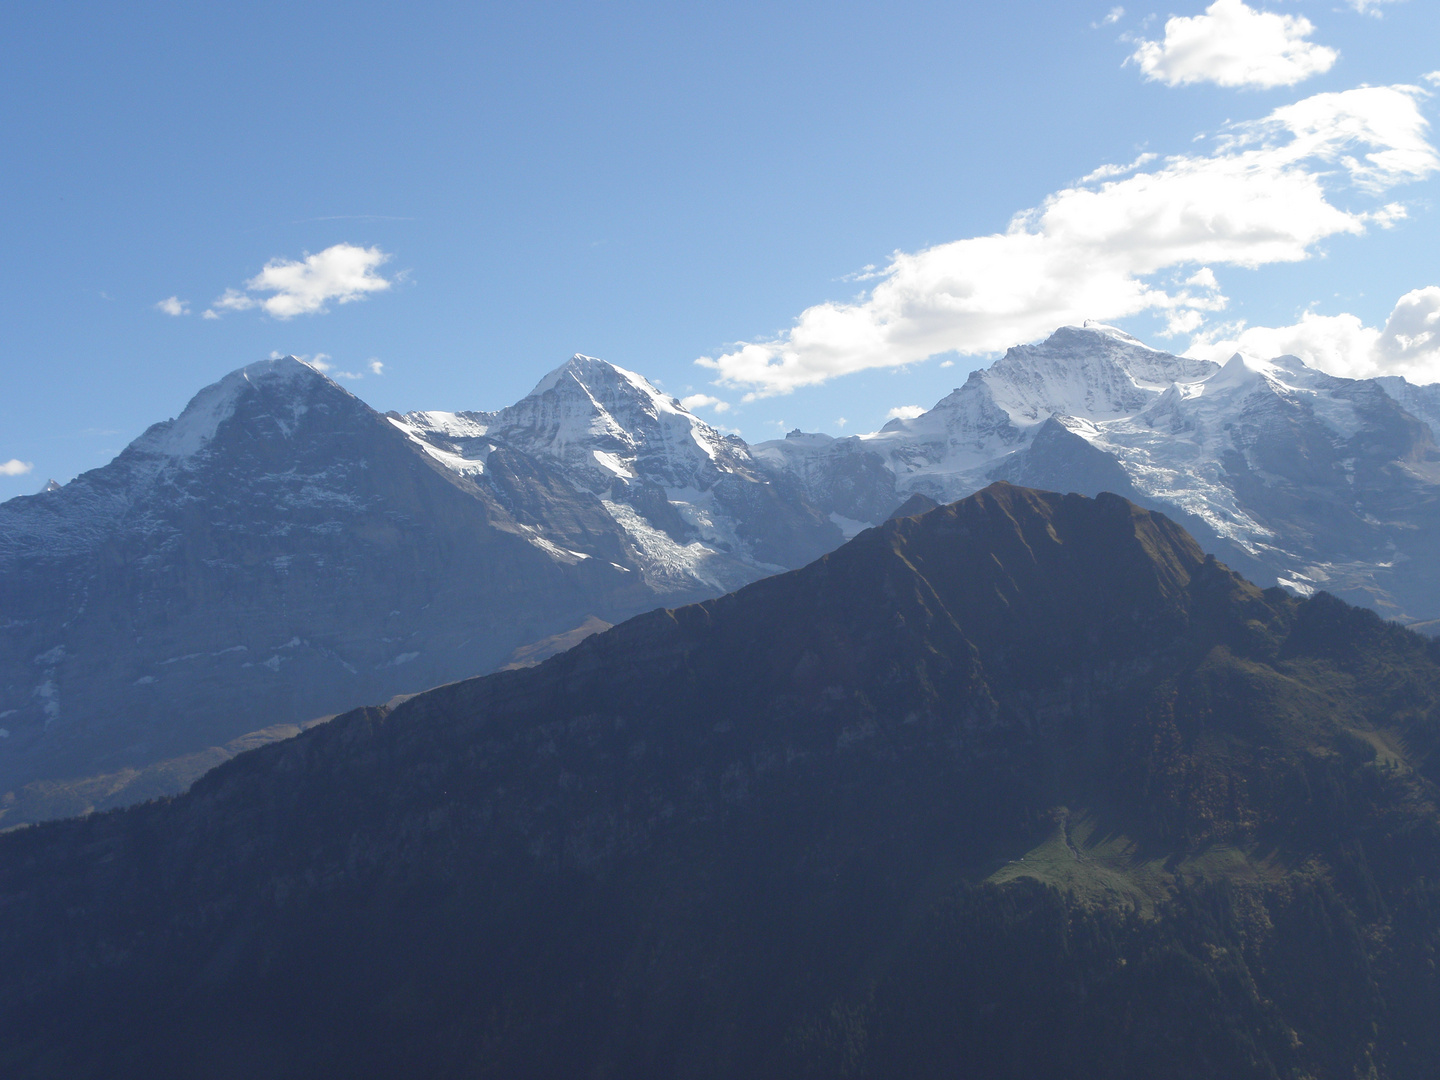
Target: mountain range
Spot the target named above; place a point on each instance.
(1293, 476)
(281, 552)
(1027, 785)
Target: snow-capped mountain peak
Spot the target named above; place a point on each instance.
(606, 424)
(1290, 472)
(1094, 373)
(286, 385)
(607, 384)
(694, 503)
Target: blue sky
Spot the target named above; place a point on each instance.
(659, 183)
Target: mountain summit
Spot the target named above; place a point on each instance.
(1295, 476)
(1026, 785)
(692, 500)
(280, 552)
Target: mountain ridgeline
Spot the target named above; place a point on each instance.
(281, 552)
(1022, 786)
(1290, 475)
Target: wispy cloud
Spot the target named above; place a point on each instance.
(1370, 7)
(1234, 45)
(1114, 15)
(15, 467)
(1109, 172)
(173, 305)
(321, 363)
(1269, 192)
(340, 274)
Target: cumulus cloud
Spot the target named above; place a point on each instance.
(377, 367)
(905, 412)
(15, 467)
(1114, 248)
(1234, 45)
(339, 274)
(173, 305)
(1408, 344)
(704, 401)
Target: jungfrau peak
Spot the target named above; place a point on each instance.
(1308, 479)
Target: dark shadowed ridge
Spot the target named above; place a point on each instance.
(919, 503)
(1026, 785)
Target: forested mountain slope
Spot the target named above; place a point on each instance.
(1024, 786)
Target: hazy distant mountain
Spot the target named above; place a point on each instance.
(280, 551)
(1025, 786)
(1292, 475)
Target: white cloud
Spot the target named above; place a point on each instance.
(209, 313)
(321, 363)
(1408, 344)
(1370, 7)
(1107, 172)
(341, 273)
(15, 467)
(173, 305)
(377, 367)
(1432, 77)
(1234, 45)
(1116, 248)
(1114, 15)
(704, 401)
(905, 412)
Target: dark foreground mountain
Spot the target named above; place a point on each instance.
(281, 551)
(1024, 786)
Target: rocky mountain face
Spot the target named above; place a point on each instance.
(692, 501)
(1024, 786)
(1291, 475)
(280, 552)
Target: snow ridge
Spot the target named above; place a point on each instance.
(1243, 450)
